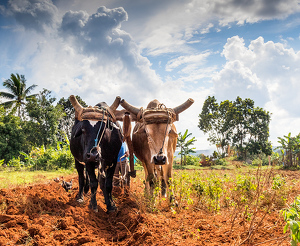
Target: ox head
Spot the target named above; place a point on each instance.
(88, 132)
(155, 127)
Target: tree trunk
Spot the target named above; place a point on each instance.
(181, 156)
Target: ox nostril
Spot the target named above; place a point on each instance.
(92, 156)
(155, 160)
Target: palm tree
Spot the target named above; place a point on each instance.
(290, 148)
(18, 92)
(185, 145)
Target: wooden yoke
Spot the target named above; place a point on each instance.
(127, 137)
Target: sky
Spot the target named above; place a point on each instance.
(167, 50)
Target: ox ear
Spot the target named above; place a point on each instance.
(120, 114)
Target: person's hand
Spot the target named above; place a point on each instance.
(126, 153)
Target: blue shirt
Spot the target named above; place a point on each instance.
(122, 152)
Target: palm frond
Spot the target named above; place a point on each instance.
(8, 104)
(7, 95)
(29, 89)
(9, 84)
(31, 96)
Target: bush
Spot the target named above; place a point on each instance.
(16, 163)
(206, 160)
(192, 160)
(48, 158)
(260, 160)
(292, 218)
(221, 162)
(53, 158)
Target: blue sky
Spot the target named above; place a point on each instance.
(168, 50)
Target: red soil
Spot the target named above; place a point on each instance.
(45, 214)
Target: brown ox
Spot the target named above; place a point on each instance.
(154, 140)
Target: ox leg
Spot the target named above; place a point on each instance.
(81, 181)
(165, 181)
(106, 187)
(150, 177)
(147, 185)
(86, 183)
(152, 182)
(93, 185)
(148, 181)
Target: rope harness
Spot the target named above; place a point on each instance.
(103, 114)
(159, 115)
(97, 143)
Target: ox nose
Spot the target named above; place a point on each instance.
(160, 159)
(92, 157)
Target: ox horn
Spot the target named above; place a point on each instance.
(78, 108)
(115, 104)
(129, 107)
(183, 106)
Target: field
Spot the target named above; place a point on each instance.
(239, 206)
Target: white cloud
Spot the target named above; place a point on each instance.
(33, 14)
(175, 23)
(89, 55)
(174, 63)
(266, 72)
(97, 54)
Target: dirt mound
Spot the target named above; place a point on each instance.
(45, 214)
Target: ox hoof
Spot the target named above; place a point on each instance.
(94, 208)
(80, 199)
(112, 210)
(132, 174)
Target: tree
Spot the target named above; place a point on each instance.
(67, 121)
(18, 93)
(215, 120)
(237, 123)
(44, 119)
(185, 145)
(12, 136)
(290, 149)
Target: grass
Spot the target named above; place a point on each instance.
(10, 179)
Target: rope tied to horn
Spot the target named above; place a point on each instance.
(159, 115)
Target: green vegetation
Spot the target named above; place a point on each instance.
(185, 145)
(292, 218)
(239, 124)
(290, 149)
(10, 179)
(18, 93)
(33, 131)
(247, 195)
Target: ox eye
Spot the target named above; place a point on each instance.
(172, 132)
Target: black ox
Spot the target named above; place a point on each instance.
(95, 143)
